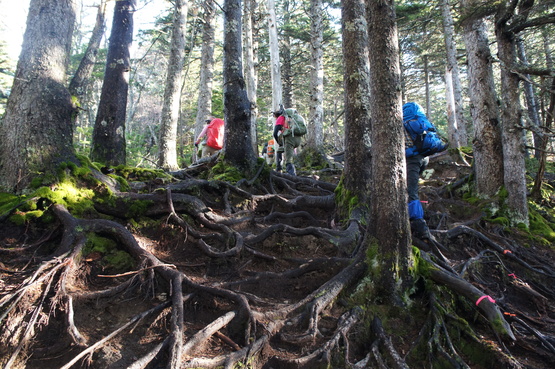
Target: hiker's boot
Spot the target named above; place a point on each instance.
(290, 168)
(420, 229)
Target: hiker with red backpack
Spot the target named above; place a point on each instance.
(421, 140)
(212, 137)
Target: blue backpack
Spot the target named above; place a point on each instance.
(425, 139)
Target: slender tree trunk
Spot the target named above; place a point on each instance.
(237, 107)
(389, 213)
(167, 156)
(531, 101)
(108, 142)
(457, 127)
(37, 130)
(81, 77)
(250, 62)
(287, 74)
(512, 129)
(536, 190)
(277, 89)
(488, 154)
(549, 114)
(427, 86)
(315, 134)
(453, 132)
(357, 174)
(204, 101)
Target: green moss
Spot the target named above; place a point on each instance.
(500, 220)
(123, 184)
(141, 174)
(119, 260)
(138, 208)
(36, 182)
(77, 200)
(539, 226)
(21, 218)
(112, 257)
(345, 200)
(226, 173)
(7, 202)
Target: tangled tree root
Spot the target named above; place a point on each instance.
(210, 298)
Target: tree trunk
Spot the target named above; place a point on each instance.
(357, 174)
(287, 74)
(108, 141)
(488, 156)
(237, 107)
(457, 126)
(427, 86)
(81, 77)
(315, 136)
(531, 101)
(389, 213)
(277, 89)
(204, 101)
(251, 59)
(512, 129)
(167, 158)
(452, 131)
(36, 132)
(537, 189)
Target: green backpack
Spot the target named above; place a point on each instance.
(297, 123)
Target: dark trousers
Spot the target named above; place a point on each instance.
(415, 167)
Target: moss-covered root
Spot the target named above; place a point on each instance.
(484, 302)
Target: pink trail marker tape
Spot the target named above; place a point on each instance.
(485, 297)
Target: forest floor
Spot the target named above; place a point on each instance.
(280, 270)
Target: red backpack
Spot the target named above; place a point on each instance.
(215, 134)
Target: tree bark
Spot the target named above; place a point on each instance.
(80, 78)
(457, 126)
(287, 73)
(108, 142)
(277, 89)
(389, 213)
(251, 60)
(237, 107)
(315, 136)
(36, 133)
(488, 154)
(167, 156)
(512, 128)
(531, 101)
(357, 174)
(452, 131)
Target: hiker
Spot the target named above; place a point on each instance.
(287, 140)
(201, 142)
(421, 141)
(212, 137)
(268, 151)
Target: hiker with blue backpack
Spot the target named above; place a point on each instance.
(421, 141)
(288, 130)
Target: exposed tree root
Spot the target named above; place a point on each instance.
(253, 279)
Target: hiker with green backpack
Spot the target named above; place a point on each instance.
(288, 130)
